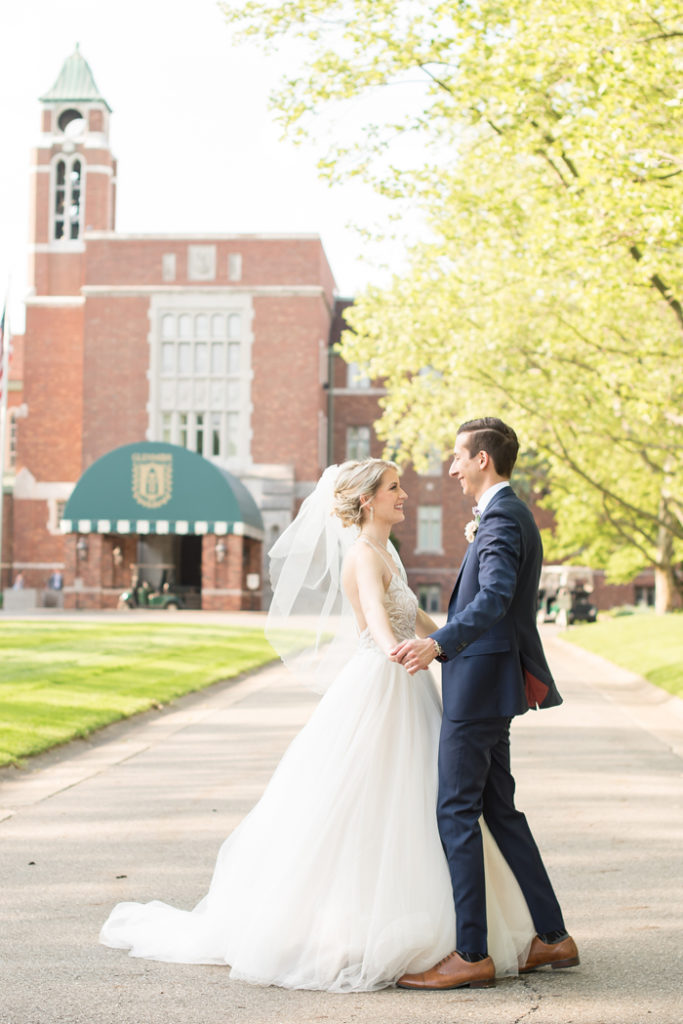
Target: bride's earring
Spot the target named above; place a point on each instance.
(372, 512)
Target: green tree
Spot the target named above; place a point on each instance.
(543, 144)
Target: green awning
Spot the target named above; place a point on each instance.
(152, 487)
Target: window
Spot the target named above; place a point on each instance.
(184, 358)
(201, 326)
(233, 423)
(217, 358)
(233, 357)
(201, 358)
(168, 266)
(434, 465)
(182, 432)
(234, 326)
(429, 596)
(67, 198)
(168, 326)
(199, 433)
(429, 528)
(167, 359)
(235, 266)
(357, 442)
(202, 378)
(215, 433)
(356, 377)
(12, 446)
(645, 596)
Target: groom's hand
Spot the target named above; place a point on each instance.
(414, 655)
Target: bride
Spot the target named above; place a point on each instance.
(337, 880)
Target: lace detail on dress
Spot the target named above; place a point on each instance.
(401, 605)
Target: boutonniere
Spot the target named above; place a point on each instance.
(472, 527)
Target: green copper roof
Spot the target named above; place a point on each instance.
(74, 82)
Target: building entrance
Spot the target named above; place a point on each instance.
(172, 563)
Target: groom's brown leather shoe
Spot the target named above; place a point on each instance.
(556, 954)
(452, 972)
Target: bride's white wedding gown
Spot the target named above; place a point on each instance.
(336, 879)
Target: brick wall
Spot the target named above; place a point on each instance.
(273, 262)
(7, 553)
(33, 543)
(287, 393)
(224, 582)
(49, 438)
(115, 385)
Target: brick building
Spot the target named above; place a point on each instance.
(174, 398)
(217, 344)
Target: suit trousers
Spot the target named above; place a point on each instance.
(475, 780)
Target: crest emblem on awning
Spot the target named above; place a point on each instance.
(152, 478)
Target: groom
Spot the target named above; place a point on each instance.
(493, 668)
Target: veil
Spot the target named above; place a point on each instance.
(310, 622)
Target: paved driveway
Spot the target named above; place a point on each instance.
(140, 811)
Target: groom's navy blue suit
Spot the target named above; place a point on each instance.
(495, 668)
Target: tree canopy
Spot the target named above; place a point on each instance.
(543, 144)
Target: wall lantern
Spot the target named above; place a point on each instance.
(220, 551)
(82, 548)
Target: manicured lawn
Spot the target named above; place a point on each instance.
(649, 644)
(58, 681)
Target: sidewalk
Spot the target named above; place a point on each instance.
(139, 813)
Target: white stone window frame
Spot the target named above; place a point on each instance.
(234, 266)
(427, 591)
(352, 445)
(195, 302)
(357, 378)
(426, 542)
(168, 266)
(435, 463)
(69, 160)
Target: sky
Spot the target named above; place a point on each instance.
(198, 148)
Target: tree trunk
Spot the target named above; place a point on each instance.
(665, 589)
(665, 585)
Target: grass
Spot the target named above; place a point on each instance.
(59, 682)
(649, 644)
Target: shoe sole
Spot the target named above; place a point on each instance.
(556, 965)
(447, 988)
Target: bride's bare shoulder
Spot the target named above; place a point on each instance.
(359, 555)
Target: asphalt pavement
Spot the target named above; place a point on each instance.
(139, 811)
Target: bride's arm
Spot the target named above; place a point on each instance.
(371, 596)
(424, 625)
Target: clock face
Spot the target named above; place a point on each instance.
(72, 123)
(75, 129)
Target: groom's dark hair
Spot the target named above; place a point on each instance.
(491, 435)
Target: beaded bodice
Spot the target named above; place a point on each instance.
(401, 605)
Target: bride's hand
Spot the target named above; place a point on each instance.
(414, 655)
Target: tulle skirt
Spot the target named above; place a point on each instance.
(337, 879)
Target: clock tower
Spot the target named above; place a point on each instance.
(74, 179)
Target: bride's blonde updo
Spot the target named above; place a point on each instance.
(356, 481)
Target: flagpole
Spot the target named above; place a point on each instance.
(4, 382)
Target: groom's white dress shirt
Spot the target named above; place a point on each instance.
(488, 494)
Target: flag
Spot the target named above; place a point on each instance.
(5, 349)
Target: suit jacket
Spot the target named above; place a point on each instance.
(495, 665)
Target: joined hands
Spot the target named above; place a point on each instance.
(415, 655)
